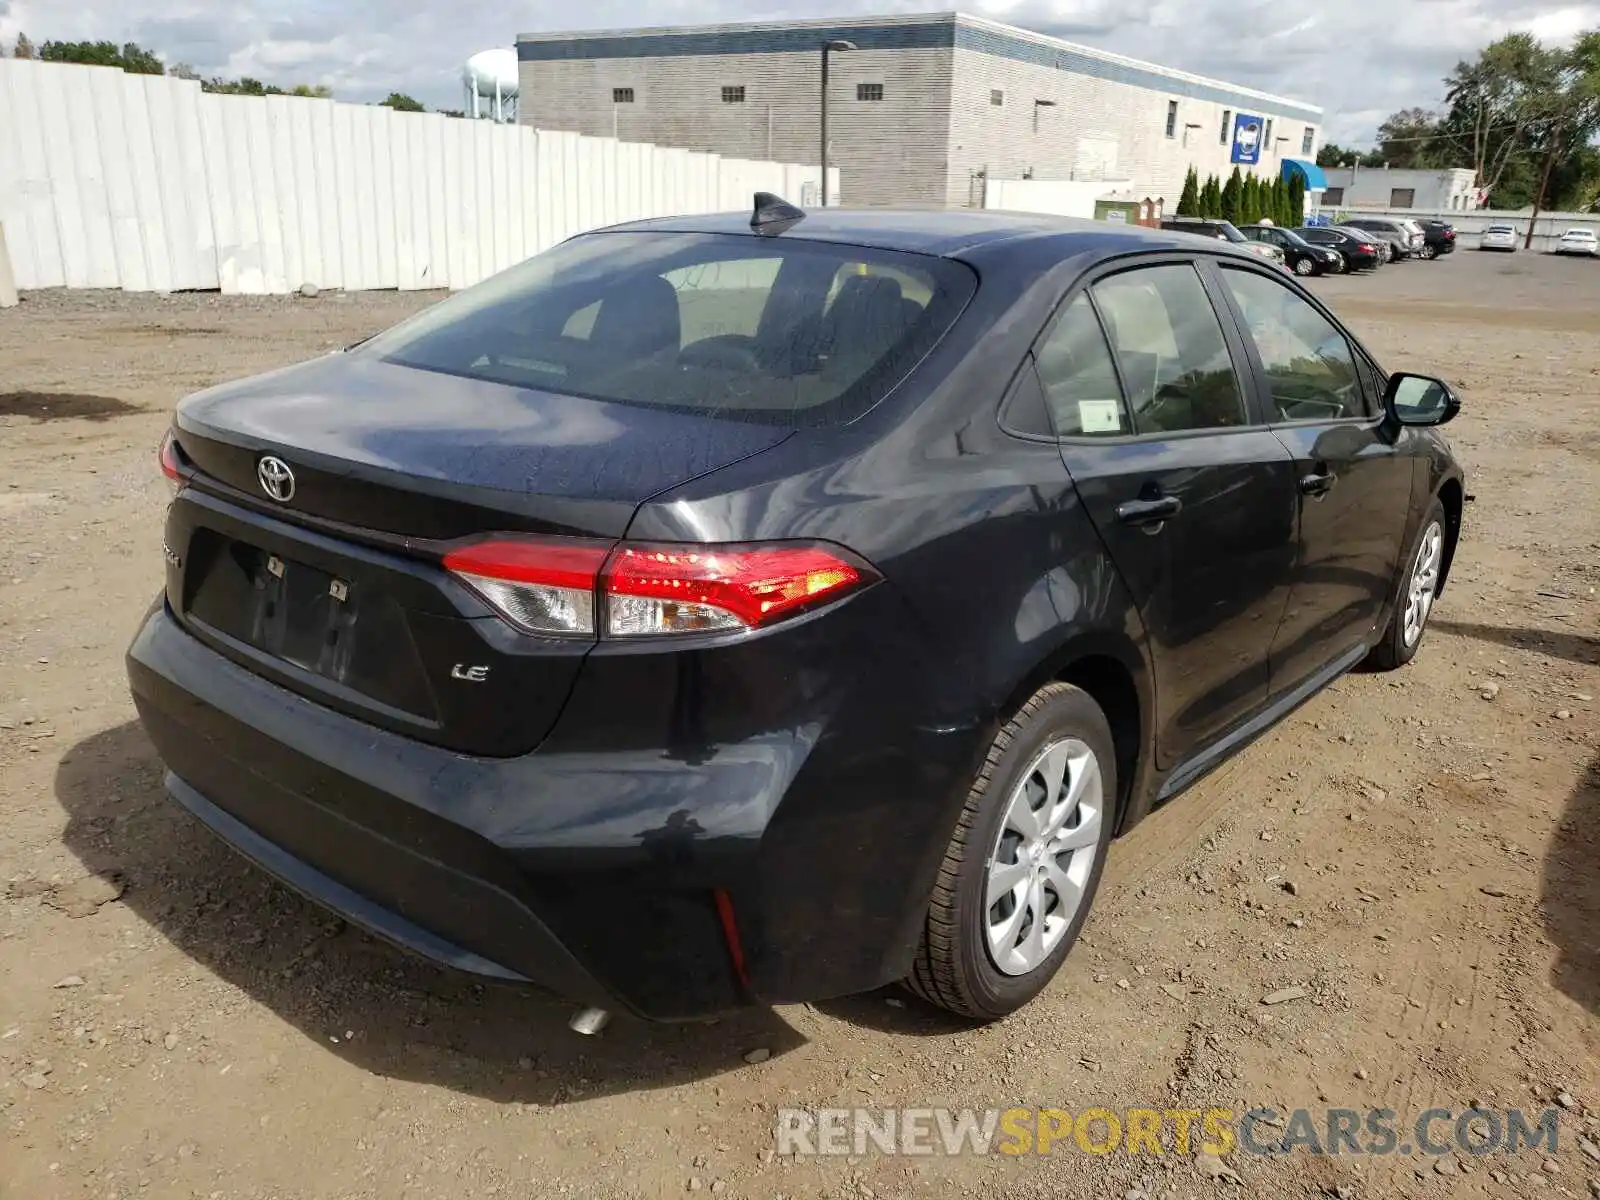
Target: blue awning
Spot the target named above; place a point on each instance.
(1309, 172)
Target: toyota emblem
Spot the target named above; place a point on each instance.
(276, 479)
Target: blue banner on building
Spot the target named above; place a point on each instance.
(1246, 140)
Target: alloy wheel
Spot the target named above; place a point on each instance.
(1424, 583)
(1043, 855)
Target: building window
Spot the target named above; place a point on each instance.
(1307, 139)
(1172, 118)
(869, 91)
(1402, 197)
(1227, 119)
(733, 95)
(622, 95)
(1266, 138)
(1333, 196)
(997, 97)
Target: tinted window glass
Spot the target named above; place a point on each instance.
(784, 332)
(1170, 350)
(1080, 382)
(1308, 362)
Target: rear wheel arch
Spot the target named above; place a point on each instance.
(1111, 684)
(1114, 674)
(1453, 496)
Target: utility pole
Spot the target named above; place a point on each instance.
(840, 45)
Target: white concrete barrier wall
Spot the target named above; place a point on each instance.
(1056, 197)
(1470, 223)
(146, 183)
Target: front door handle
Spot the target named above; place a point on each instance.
(1151, 511)
(1318, 483)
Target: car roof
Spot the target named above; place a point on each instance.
(1580, 229)
(945, 232)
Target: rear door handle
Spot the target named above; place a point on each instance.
(1149, 512)
(1318, 483)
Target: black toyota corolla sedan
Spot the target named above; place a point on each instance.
(749, 609)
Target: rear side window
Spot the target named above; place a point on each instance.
(788, 332)
(1307, 360)
(1170, 350)
(1079, 380)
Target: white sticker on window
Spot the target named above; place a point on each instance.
(1100, 416)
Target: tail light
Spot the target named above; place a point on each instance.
(574, 588)
(171, 467)
(539, 586)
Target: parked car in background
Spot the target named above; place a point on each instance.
(539, 635)
(1500, 237)
(1359, 249)
(1224, 231)
(1579, 241)
(1392, 230)
(1302, 257)
(1419, 237)
(1438, 237)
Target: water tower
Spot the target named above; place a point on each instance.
(490, 79)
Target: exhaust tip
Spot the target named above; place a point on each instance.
(589, 1021)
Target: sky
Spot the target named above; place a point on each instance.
(1359, 60)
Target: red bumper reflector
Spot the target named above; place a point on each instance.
(730, 933)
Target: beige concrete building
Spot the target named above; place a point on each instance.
(921, 112)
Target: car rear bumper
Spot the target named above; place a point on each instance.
(668, 886)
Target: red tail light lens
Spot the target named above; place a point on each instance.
(541, 586)
(560, 586)
(168, 457)
(701, 589)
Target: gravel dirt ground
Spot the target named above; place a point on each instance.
(1418, 852)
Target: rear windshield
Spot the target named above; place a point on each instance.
(768, 329)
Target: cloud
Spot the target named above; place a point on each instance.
(1359, 62)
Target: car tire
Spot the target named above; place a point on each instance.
(1429, 252)
(1414, 599)
(982, 960)
(1304, 267)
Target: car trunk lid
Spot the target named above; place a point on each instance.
(333, 587)
(424, 454)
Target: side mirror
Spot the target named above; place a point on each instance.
(1420, 400)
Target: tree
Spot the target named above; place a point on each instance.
(24, 47)
(1250, 201)
(130, 57)
(1331, 154)
(1297, 202)
(1276, 202)
(1211, 198)
(1232, 193)
(400, 102)
(1495, 100)
(254, 87)
(1189, 201)
(1570, 112)
(1413, 138)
